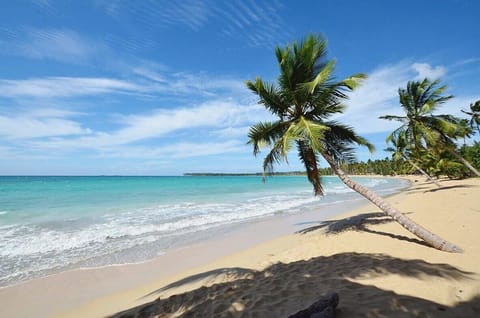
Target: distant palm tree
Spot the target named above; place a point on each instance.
(303, 101)
(474, 114)
(400, 150)
(421, 127)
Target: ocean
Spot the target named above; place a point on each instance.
(53, 224)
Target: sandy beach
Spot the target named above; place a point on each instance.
(378, 269)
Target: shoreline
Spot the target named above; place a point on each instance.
(323, 207)
(99, 292)
(239, 237)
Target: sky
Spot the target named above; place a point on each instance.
(121, 87)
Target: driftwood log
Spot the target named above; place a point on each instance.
(322, 308)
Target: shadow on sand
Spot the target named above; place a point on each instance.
(419, 189)
(283, 289)
(360, 223)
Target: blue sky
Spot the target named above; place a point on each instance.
(157, 87)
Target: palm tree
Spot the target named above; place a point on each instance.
(399, 150)
(474, 114)
(420, 126)
(304, 99)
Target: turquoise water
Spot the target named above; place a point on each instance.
(50, 224)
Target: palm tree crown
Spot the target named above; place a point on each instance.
(419, 125)
(304, 99)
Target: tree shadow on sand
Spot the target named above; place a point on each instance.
(283, 289)
(418, 189)
(360, 223)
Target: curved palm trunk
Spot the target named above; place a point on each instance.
(430, 238)
(426, 175)
(465, 162)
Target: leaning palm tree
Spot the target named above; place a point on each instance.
(400, 150)
(304, 99)
(420, 126)
(474, 114)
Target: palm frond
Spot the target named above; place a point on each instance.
(310, 132)
(322, 77)
(265, 134)
(354, 81)
(269, 97)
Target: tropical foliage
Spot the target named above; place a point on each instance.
(303, 101)
(426, 132)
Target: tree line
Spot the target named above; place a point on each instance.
(447, 165)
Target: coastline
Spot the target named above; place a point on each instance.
(96, 282)
(104, 291)
(88, 227)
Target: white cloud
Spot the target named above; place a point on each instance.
(63, 45)
(425, 70)
(149, 74)
(51, 87)
(181, 150)
(47, 123)
(152, 82)
(163, 122)
(376, 97)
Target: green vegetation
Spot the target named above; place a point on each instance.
(303, 100)
(430, 138)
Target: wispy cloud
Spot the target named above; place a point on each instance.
(178, 150)
(160, 123)
(254, 23)
(142, 81)
(51, 87)
(62, 45)
(39, 124)
(151, 15)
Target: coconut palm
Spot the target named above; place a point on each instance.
(421, 127)
(400, 150)
(303, 101)
(474, 114)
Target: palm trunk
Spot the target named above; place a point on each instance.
(422, 171)
(430, 238)
(465, 162)
(310, 161)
